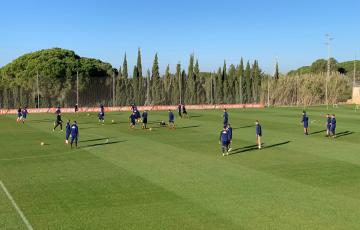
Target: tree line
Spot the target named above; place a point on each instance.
(57, 75)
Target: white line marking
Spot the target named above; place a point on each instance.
(26, 222)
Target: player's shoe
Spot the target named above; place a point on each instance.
(229, 149)
(223, 154)
(66, 142)
(227, 153)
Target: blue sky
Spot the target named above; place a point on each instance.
(215, 31)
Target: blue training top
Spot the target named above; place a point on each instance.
(224, 136)
(171, 116)
(74, 130)
(258, 130)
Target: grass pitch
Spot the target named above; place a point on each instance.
(177, 179)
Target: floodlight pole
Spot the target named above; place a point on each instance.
(77, 88)
(113, 89)
(38, 90)
(328, 70)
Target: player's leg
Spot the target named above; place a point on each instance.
(259, 141)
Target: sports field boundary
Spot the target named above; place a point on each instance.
(141, 108)
(21, 214)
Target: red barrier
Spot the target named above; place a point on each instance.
(140, 108)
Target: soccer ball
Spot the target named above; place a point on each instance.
(42, 143)
(112, 121)
(150, 129)
(88, 114)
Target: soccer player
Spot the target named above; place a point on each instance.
(184, 111)
(229, 131)
(305, 121)
(171, 120)
(144, 119)
(74, 134)
(132, 120)
(76, 108)
(68, 132)
(24, 114)
(328, 125)
(102, 114)
(137, 116)
(226, 118)
(58, 110)
(224, 137)
(333, 126)
(19, 115)
(179, 110)
(58, 122)
(258, 133)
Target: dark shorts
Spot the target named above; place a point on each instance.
(306, 126)
(224, 143)
(132, 122)
(74, 138)
(171, 121)
(144, 121)
(19, 115)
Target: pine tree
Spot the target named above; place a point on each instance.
(140, 84)
(138, 64)
(125, 68)
(148, 98)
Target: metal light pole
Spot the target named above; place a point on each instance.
(328, 70)
(77, 88)
(38, 90)
(113, 90)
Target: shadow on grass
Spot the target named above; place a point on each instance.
(345, 133)
(195, 116)
(188, 127)
(43, 120)
(244, 127)
(255, 147)
(95, 139)
(101, 144)
(320, 131)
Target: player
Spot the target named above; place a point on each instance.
(74, 134)
(226, 118)
(184, 112)
(19, 115)
(258, 133)
(137, 116)
(24, 114)
(76, 109)
(305, 121)
(171, 120)
(224, 137)
(179, 110)
(328, 125)
(132, 120)
(229, 131)
(101, 115)
(58, 122)
(58, 110)
(333, 126)
(68, 132)
(144, 119)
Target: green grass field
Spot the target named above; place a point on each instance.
(164, 179)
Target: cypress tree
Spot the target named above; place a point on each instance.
(167, 85)
(190, 83)
(219, 87)
(198, 84)
(155, 77)
(176, 85)
(125, 68)
(135, 84)
(231, 84)
(240, 82)
(225, 84)
(276, 74)
(247, 77)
